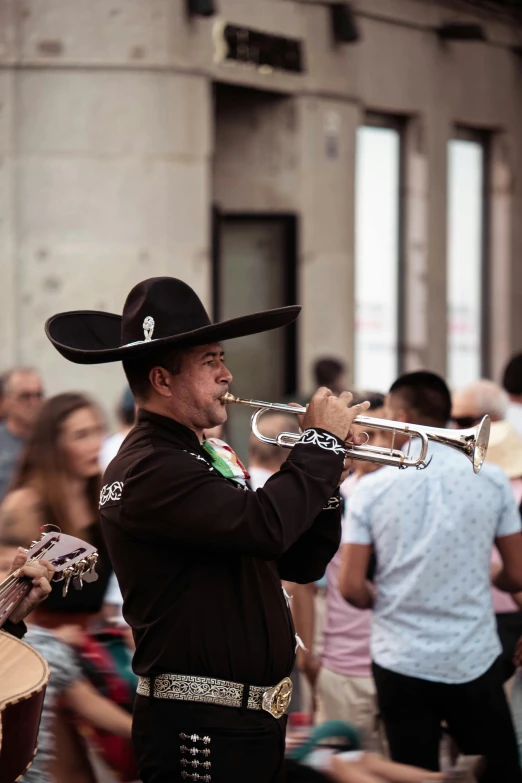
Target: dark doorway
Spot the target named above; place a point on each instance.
(255, 269)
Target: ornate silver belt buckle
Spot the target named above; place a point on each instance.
(276, 699)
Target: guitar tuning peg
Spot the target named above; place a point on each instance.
(90, 575)
(79, 569)
(68, 574)
(78, 582)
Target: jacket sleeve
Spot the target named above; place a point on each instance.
(173, 494)
(306, 560)
(15, 629)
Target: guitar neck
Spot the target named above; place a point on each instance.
(12, 591)
(70, 557)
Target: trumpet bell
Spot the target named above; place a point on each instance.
(481, 443)
(473, 442)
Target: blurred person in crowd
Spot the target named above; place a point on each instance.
(341, 675)
(126, 416)
(265, 459)
(434, 644)
(327, 372)
(67, 685)
(512, 383)
(22, 399)
(58, 483)
(331, 373)
(469, 405)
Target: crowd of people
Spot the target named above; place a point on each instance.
(410, 638)
(417, 641)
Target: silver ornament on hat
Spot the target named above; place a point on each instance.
(148, 328)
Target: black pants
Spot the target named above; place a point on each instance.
(232, 745)
(476, 713)
(509, 629)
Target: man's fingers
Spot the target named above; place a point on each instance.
(323, 391)
(51, 570)
(19, 560)
(36, 570)
(359, 409)
(42, 584)
(346, 396)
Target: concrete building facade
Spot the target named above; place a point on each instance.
(132, 145)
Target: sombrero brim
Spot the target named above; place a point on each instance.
(93, 337)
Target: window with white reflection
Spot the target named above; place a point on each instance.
(377, 235)
(464, 259)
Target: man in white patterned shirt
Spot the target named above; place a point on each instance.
(434, 642)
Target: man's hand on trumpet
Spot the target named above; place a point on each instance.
(334, 414)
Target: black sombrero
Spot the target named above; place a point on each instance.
(158, 312)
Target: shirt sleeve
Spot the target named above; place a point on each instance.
(177, 495)
(356, 528)
(509, 521)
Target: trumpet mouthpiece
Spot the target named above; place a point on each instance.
(226, 398)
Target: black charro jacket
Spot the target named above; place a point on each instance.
(200, 560)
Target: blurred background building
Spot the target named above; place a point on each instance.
(362, 159)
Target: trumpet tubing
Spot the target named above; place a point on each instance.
(472, 442)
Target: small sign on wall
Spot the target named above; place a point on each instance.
(267, 52)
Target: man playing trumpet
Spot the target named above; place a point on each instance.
(199, 556)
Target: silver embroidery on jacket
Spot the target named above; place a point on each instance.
(322, 439)
(111, 492)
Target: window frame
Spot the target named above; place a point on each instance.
(483, 138)
(398, 123)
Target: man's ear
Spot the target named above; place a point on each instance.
(160, 382)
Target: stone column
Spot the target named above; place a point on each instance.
(326, 263)
(106, 182)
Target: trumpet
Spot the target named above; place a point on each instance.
(472, 442)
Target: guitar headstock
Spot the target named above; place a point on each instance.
(72, 558)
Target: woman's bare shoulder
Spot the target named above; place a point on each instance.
(20, 515)
(23, 499)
